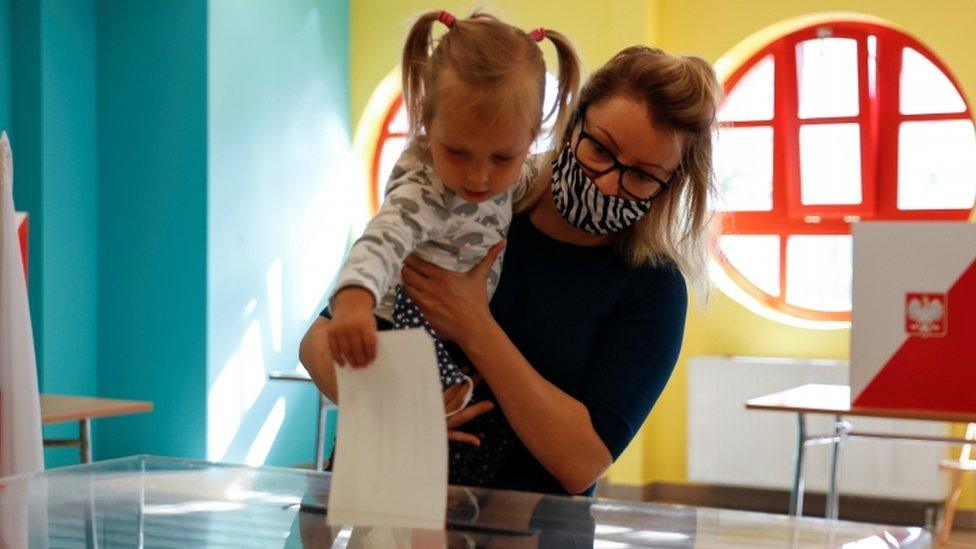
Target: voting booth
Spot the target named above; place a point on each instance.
(913, 333)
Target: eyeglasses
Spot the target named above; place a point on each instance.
(636, 183)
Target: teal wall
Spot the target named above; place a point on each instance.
(25, 140)
(69, 200)
(6, 42)
(278, 213)
(51, 111)
(152, 226)
(185, 165)
(69, 185)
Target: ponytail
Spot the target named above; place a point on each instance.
(497, 63)
(569, 77)
(416, 54)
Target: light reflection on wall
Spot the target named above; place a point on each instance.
(237, 387)
(281, 200)
(266, 435)
(327, 226)
(273, 286)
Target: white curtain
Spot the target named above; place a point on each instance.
(21, 449)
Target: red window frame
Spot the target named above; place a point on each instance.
(879, 118)
(385, 134)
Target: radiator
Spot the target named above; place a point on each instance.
(732, 446)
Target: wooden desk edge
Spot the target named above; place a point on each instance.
(923, 415)
(116, 408)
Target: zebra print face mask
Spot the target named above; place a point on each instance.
(581, 202)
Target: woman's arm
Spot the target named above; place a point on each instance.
(554, 426)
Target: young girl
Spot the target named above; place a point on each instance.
(475, 101)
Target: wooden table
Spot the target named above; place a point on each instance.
(62, 408)
(835, 400)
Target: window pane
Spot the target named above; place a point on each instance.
(543, 142)
(818, 272)
(392, 148)
(924, 88)
(752, 96)
(399, 122)
(744, 168)
(873, 66)
(830, 164)
(936, 165)
(827, 77)
(756, 257)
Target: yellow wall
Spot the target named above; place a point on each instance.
(378, 28)
(708, 28)
(711, 27)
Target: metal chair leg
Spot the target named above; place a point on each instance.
(320, 434)
(841, 429)
(796, 492)
(84, 440)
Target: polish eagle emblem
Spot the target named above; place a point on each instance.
(925, 314)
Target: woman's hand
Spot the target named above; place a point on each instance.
(455, 304)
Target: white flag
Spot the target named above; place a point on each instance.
(21, 449)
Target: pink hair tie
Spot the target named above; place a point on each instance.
(446, 18)
(538, 34)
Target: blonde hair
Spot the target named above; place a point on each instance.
(500, 68)
(681, 94)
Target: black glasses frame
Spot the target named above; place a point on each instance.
(617, 165)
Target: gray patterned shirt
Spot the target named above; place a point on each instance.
(422, 215)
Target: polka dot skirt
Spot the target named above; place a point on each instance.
(468, 464)
(406, 314)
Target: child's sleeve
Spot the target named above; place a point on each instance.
(412, 212)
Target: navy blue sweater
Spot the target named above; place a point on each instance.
(605, 333)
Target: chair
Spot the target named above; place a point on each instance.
(957, 468)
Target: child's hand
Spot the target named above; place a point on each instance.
(352, 332)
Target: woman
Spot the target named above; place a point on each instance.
(586, 324)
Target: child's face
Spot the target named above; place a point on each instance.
(475, 160)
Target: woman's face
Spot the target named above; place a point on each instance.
(628, 132)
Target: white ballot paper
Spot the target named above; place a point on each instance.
(391, 449)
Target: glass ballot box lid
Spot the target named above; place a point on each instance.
(146, 501)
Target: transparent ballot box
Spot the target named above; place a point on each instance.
(147, 501)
